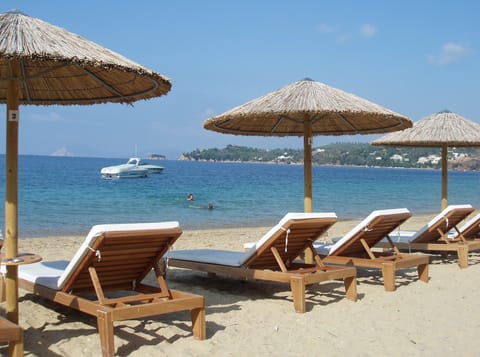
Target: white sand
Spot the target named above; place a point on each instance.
(258, 319)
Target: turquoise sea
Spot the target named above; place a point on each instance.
(66, 195)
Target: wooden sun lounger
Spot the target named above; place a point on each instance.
(114, 259)
(433, 237)
(272, 258)
(355, 248)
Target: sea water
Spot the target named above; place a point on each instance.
(66, 195)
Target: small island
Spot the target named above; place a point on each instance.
(157, 157)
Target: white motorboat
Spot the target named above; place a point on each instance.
(152, 169)
(134, 168)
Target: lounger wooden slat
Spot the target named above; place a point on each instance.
(97, 269)
(355, 248)
(471, 229)
(273, 258)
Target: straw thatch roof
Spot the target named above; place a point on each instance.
(59, 67)
(285, 111)
(436, 130)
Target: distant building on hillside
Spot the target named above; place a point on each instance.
(459, 156)
(285, 158)
(432, 159)
(396, 157)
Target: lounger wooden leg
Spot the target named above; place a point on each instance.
(198, 323)
(462, 252)
(16, 347)
(105, 330)
(388, 272)
(422, 270)
(297, 284)
(351, 288)
(2, 289)
(13, 334)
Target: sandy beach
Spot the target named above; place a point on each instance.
(258, 319)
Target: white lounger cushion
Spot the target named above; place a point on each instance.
(212, 256)
(437, 218)
(470, 222)
(236, 259)
(402, 236)
(54, 274)
(43, 273)
(330, 248)
(323, 248)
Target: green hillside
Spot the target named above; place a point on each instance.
(357, 154)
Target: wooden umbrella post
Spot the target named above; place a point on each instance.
(307, 176)
(11, 195)
(444, 177)
(307, 166)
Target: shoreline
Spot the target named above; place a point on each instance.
(416, 220)
(326, 165)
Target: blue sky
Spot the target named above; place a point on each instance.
(414, 57)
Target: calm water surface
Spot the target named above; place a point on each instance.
(63, 196)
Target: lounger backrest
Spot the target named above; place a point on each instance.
(122, 254)
(372, 230)
(445, 221)
(290, 237)
(471, 228)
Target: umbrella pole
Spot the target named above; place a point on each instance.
(307, 167)
(11, 196)
(307, 177)
(444, 177)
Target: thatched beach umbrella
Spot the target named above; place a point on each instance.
(306, 108)
(43, 64)
(442, 130)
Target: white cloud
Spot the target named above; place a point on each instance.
(449, 53)
(52, 116)
(368, 30)
(344, 38)
(209, 112)
(324, 28)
